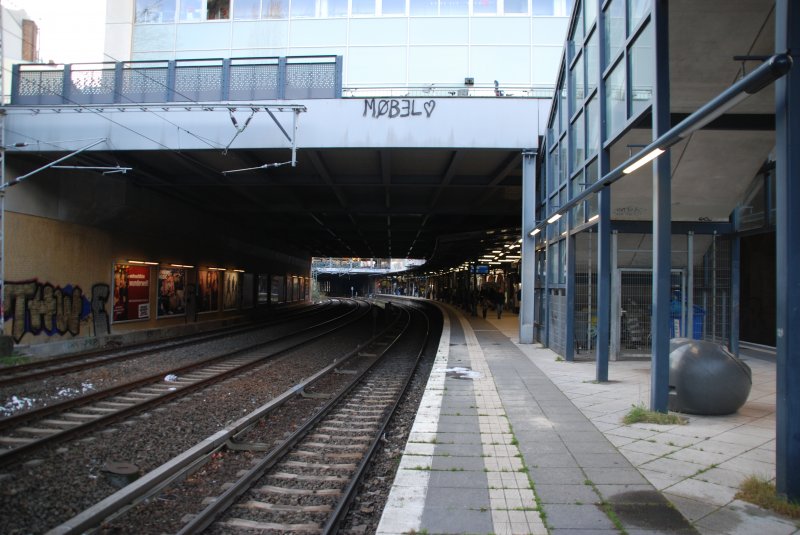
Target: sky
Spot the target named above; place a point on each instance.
(70, 31)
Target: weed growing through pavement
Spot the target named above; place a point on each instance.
(639, 413)
(762, 493)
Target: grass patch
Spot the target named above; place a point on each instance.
(639, 414)
(14, 360)
(762, 493)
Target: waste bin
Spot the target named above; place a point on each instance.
(675, 325)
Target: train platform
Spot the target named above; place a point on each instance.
(509, 438)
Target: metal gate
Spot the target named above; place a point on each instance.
(633, 292)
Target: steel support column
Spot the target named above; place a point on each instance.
(736, 281)
(527, 315)
(690, 285)
(604, 221)
(787, 244)
(569, 344)
(662, 231)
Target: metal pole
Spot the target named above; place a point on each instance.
(787, 241)
(690, 285)
(529, 254)
(604, 221)
(569, 349)
(659, 373)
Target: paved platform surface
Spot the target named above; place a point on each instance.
(511, 439)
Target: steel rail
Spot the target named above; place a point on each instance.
(156, 479)
(9, 456)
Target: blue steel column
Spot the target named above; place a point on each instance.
(736, 281)
(569, 349)
(604, 221)
(787, 242)
(659, 372)
(528, 275)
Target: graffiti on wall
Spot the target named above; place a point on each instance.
(100, 294)
(397, 108)
(37, 308)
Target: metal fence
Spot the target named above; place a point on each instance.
(196, 80)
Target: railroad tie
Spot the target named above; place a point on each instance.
(250, 525)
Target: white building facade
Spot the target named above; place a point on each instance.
(425, 44)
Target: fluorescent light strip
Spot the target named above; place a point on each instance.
(554, 218)
(595, 217)
(181, 266)
(535, 231)
(143, 262)
(652, 155)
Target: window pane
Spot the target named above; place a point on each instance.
(363, 7)
(543, 8)
(577, 84)
(564, 114)
(304, 8)
(562, 247)
(592, 127)
(590, 12)
(218, 9)
(423, 7)
(337, 8)
(591, 172)
(577, 186)
(615, 30)
(246, 9)
(562, 176)
(637, 10)
(552, 177)
(641, 58)
(577, 33)
(192, 10)
(591, 58)
(484, 6)
(393, 7)
(453, 7)
(155, 10)
(275, 9)
(556, 120)
(578, 144)
(516, 6)
(616, 109)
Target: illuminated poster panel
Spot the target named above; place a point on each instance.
(209, 290)
(232, 295)
(131, 292)
(171, 292)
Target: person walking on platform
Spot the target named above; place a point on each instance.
(499, 301)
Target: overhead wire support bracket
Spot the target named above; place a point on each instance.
(51, 164)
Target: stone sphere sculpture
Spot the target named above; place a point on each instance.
(705, 378)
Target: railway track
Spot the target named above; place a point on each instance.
(26, 432)
(331, 449)
(46, 368)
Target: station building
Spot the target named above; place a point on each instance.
(648, 143)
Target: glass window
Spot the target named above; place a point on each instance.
(218, 9)
(578, 84)
(484, 7)
(577, 186)
(337, 8)
(641, 58)
(304, 8)
(363, 7)
(453, 7)
(554, 171)
(578, 143)
(393, 7)
(562, 247)
(615, 29)
(275, 9)
(552, 261)
(616, 108)
(590, 12)
(191, 10)
(592, 128)
(556, 120)
(562, 176)
(591, 59)
(564, 113)
(246, 9)
(155, 10)
(515, 7)
(423, 7)
(637, 10)
(543, 8)
(591, 172)
(577, 33)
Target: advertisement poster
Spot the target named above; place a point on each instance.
(209, 290)
(171, 292)
(131, 292)
(248, 283)
(232, 296)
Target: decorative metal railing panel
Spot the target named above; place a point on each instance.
(202, 80)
